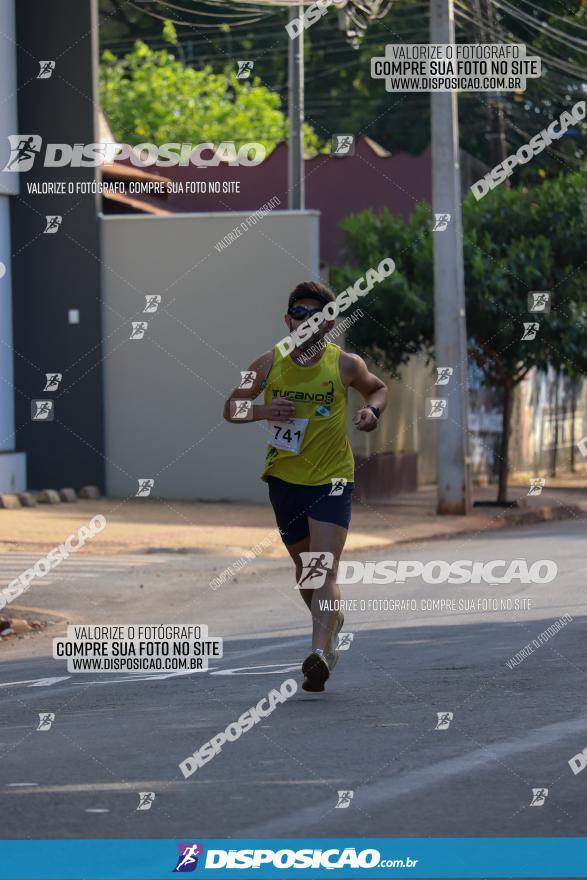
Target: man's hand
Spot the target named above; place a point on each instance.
(365, 420)
(281, 409)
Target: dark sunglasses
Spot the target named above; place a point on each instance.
(301, 313)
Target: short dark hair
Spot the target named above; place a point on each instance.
(311, 290)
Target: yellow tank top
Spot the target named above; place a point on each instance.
(319, 396)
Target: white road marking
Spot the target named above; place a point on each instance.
(270, 669)
(158, 677)
(35, 682)
(12, 565)
(167, 784)
(47, 682)
(20, 784)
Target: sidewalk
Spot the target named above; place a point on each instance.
(152, 525)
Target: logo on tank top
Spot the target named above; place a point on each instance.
(306, 396)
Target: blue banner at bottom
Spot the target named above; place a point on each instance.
(367, 858)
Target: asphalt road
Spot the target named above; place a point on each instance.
(372, 732)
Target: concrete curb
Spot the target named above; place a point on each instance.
(545, 513)
(479, 523)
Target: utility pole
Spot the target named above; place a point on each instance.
(295, 153)
(495, 115)
(454, 493)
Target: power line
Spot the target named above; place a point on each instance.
(555, 61)
(548, 14)
(215, 15)
(541, 26)
(177, 21)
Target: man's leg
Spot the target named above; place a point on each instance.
(325, 538)
(292, 522)
(294, 551)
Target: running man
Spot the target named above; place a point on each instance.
(309, 458)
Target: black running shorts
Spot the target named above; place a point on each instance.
(294, 503)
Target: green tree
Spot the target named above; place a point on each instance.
(515, 241)
(150, 96)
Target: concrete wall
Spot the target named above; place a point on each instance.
(164, 394)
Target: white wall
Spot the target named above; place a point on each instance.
(164, 394)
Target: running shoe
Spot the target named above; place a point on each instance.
(316, 672)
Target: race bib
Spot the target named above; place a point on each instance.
(288, 435)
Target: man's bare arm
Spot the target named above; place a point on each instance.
(355, 373)
(279, 409)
